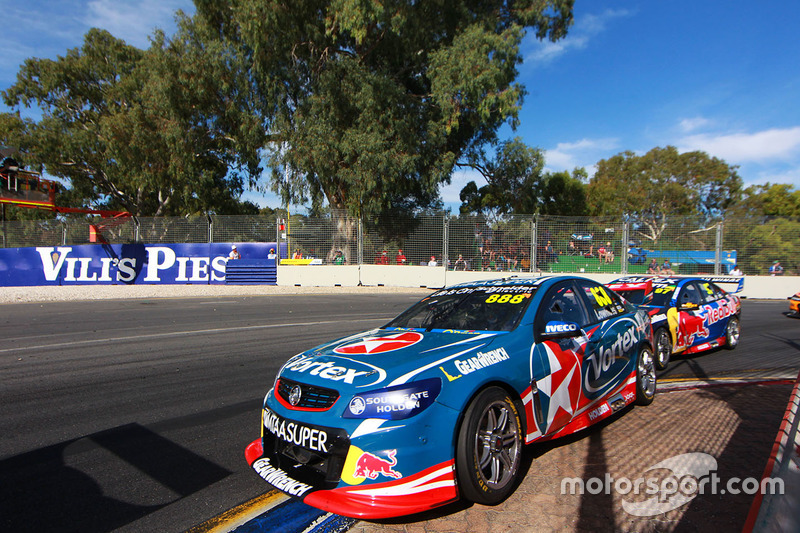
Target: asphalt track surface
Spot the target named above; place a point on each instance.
(133, 415)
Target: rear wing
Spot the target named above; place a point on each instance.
(738, 280)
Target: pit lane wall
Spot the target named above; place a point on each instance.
(779, 287)
(94, 264)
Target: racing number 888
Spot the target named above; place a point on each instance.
(507, 298)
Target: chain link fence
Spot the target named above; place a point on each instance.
(516, 243)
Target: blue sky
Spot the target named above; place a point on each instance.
(718, 76)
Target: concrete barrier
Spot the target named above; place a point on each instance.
(777, 287)
(780, 511)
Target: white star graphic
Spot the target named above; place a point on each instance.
(560, 397)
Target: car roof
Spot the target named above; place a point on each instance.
(656, 280)
(532, 281)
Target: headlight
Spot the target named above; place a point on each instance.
(395, 403)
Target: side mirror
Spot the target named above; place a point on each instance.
(558, 330)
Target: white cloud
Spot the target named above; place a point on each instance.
(688, 125)
(134, 21)
(583, 153)
(585, 28)
(760, 175)
(460, 178)
(737, 148)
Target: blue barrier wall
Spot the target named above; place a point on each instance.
(100, 264)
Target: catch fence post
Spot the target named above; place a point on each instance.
(534, 222)
(445, 252)
(623, 256)
(360, 242)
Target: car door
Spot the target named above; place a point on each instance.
(692, 329)
(715, 309)
(614, 337)
(557, 358)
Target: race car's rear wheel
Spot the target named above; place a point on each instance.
(489, 447)
(645, 377)
(732, 332)
(663, 348)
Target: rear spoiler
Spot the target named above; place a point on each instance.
(739, 280)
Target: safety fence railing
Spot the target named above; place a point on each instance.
(512, 243)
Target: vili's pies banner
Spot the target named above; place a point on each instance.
(196, 263)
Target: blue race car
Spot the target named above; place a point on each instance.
(689, 314)
(438, 403)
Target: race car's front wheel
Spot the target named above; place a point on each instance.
(489, 447)
(732, 332)
(645, 377)
(663, 348)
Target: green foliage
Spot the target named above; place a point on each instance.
(155, 132)
(777, 199)
(660, 184)
(517, 183)
(370, 104)
(758, 245)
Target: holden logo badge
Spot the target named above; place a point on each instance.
(357, 405)
(294, 395)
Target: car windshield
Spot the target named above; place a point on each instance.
(470, 308)
(634, 296)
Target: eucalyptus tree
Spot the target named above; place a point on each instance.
(516, 182)
(661, 184)
(153, 132)
(369, 104)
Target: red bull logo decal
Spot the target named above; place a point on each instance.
(361, 465)
(686, 327)
(714, 314)
(370, 466)
(373, 345)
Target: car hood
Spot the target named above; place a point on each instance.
(381, 358)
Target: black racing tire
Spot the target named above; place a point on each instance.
(645, 376)
(663, 349)
(489, 448)
(732, 332)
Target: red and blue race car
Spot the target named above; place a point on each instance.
(689, 314)
(437, 404)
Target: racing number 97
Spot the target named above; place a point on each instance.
(506, 298)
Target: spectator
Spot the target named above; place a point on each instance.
(736, 271)
(572, 249)
(298, 254)
(382, 259)
(339, 259)
(432, 262)
(776, 269)
(550, 254)
(501, 260)
(609, 255)
(234, 253)
(479, 237)
(601, 253)
(400, 258)
(652, 268)
(666, 268)
(272, 256)
(460, 264)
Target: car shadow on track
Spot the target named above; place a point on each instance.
(50, 490)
